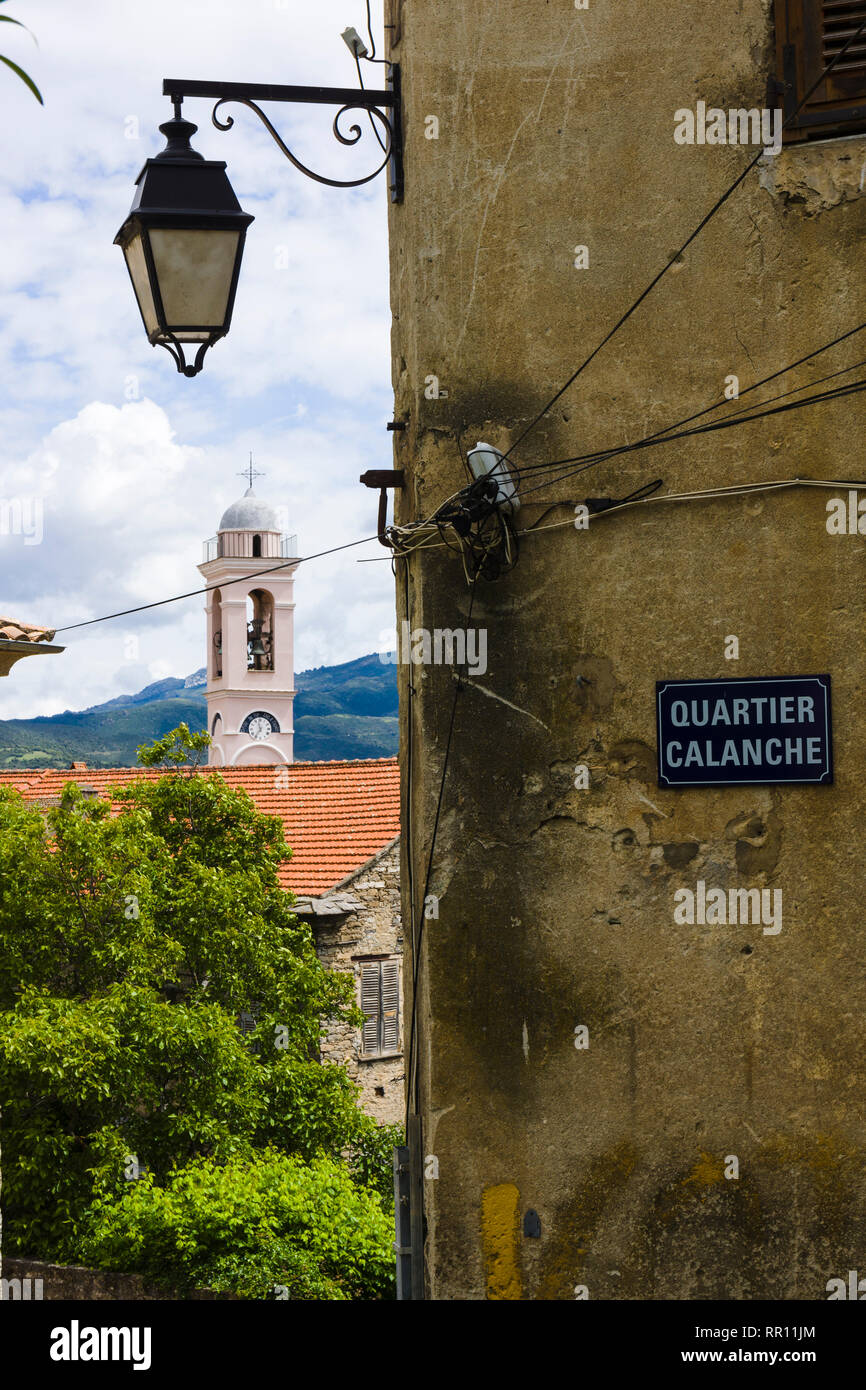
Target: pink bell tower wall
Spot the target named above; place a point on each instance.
(239, 692)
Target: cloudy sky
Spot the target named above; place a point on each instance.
(118, 466)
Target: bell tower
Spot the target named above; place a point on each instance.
(250, 622)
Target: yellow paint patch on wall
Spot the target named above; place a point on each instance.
(709, 1169)
(819, 1153)
(500, 1228)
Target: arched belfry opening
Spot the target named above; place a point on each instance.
(217, 639)
(260, 630)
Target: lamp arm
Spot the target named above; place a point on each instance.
(351, 139)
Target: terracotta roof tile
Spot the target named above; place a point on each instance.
(335, 815)
(14, 631)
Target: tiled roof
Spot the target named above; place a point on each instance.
(13, 631)
(336, 815)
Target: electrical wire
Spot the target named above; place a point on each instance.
(602, 454)
(224, 584)
(471, 523)
(372, 55)
(728, 422)
(795, 390)
(645, 490)
(734, 490)
(382, 144)
(413, 535)
(462, 451)
(417, 535)
(772, 377)
(677, 254)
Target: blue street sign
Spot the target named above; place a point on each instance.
(728, 732)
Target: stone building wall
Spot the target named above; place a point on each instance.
(35, 1280)
(358, 919)
(533, 130)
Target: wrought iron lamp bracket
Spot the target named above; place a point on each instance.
(383, 108)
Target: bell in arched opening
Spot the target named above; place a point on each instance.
(260, 631)
(217, 641)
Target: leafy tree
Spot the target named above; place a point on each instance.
(161, 1011)
(267, 1226)
(371, 1160)
(7, 19)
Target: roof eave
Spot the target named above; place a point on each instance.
(10, 652)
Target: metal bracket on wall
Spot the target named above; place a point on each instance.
(409, 1215)
(383, 478)
(383, 108)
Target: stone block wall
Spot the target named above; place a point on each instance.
(35, 1280)
(371, 928)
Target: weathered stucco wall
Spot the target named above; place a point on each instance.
(555, 129)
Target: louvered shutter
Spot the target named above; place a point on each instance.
(390, 1005)
(809, 35)
(371, 1004)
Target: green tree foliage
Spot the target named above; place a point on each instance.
(19, 72)
(267, 1226)
(161, 1010)
(371, 1160)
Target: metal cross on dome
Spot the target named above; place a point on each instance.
(249, 472)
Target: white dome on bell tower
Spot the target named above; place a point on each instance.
(249, 513)
(250, 626)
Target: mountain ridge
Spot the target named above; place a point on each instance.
(343, 711)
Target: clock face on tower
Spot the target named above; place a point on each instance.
(260, 725)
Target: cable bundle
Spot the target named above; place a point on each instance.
(474, 524)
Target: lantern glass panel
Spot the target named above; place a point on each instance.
(195, 270)
(134, 253)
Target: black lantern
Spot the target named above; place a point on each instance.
(183, 241)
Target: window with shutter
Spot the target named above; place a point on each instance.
(380, 1001)
(390, 1005)
(809, 35)
(371, 997)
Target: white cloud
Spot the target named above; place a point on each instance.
(126, 507)
(132, 462)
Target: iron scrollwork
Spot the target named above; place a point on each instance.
(383, 108)
(351, 139)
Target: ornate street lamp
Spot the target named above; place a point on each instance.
(183, 241)
(184, 236)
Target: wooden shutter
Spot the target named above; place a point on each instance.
(371, 1004)
(380, 1001)
(390, 1005)
(809, 35)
